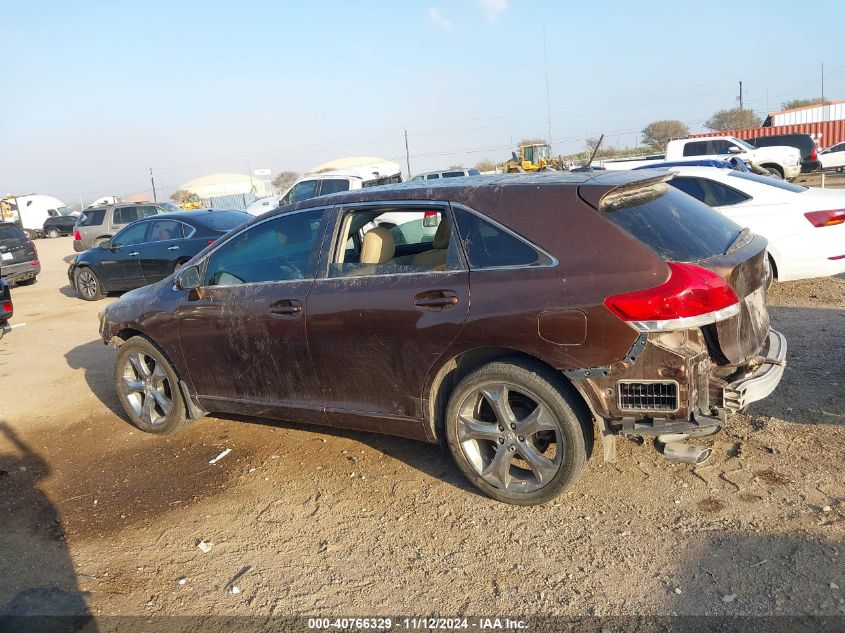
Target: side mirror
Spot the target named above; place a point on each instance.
(733, 149)
(188, 278)
(106, 244)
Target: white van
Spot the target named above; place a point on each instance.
(323, 182)
(33, 209)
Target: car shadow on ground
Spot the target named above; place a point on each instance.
(70, 291)
(32, 533)
(97, 361)
(432, 459)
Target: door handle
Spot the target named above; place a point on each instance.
(286, 308)
(173, 248)
(134, 253)
(436, 300)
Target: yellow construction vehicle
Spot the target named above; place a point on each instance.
(532, 157)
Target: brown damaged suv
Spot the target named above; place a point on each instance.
(507, 316)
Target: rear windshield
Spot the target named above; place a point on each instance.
(768, 180)
(225, 220)
(675, 226)
(91, 218)
(11, 232)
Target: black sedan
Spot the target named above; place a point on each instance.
(148, 250)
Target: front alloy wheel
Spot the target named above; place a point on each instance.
(517, 431)
(148, 388)
(88, 284)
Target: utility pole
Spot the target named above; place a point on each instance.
(548, 98)
(407, 155)
(740, 96)
(822, 82)
(153, 182)
(81, 205)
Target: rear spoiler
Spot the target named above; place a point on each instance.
(640, 182)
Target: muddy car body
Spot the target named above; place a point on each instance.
(574, 297)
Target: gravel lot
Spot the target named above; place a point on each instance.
(318, 521)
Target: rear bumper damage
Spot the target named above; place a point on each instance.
(669, 383)
(760, 382)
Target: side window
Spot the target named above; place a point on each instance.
(149, 211)
(723, 196)
(303, 191)
(125, 215)
(697, 148)
(432, 177)
(165, 230)
(281, 249)
(690, 186)
(720, 147)
(333, 185)
(389, 241)
(92, 218)
(52, 213)
(131, 235)
(490, 246)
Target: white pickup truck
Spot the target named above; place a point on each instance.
(781, 161)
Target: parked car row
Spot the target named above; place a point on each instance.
(147, 250)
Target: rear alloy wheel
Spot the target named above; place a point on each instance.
(88, 284)
(148, 388)
(514, 431)
(53, 233)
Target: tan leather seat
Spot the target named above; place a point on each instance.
(435, 259)
(378, 247)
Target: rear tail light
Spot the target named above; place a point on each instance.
(813, 154)
(76, 235)
(7, 306)
(430, 218)
(826, 218)
(692, 296)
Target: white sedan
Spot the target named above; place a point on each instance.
(833, 157)
(805, 226)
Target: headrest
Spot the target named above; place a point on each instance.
(379, 246)
(441, 237)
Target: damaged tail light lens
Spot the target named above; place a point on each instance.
(826, 218)
(692, 296)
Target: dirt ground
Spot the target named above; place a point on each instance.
(304, 520)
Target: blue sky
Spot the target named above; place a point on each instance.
(97, 93)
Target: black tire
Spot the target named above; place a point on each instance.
(133, 401)
(27, 282)
(53, 233)
(775, 171)
(87, 284)
(533, 382)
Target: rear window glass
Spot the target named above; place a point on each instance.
(768, 180)
(91, 218)
(675, 226)
(11, 232)
(225, 220)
